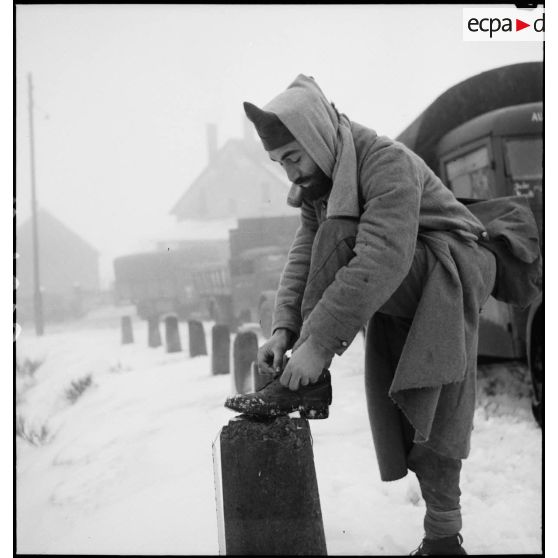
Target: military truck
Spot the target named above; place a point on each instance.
(231, 282)
(483, 138)
(161, 281)
(244, 289)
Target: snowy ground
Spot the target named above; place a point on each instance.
(122, 463)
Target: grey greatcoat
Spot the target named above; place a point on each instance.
(397, 198)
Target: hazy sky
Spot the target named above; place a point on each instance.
(123, 93)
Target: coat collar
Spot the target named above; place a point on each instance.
(343, 200)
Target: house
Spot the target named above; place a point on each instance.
(68, 267)
(239, 181)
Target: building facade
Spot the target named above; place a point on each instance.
(68, 268)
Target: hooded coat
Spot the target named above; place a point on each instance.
(396, 198)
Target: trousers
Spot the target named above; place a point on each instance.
(438, 475)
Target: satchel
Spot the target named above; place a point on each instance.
(513, 238)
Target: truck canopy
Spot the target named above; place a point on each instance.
(520, 120)
(500, 87)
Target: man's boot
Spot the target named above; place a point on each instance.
(312, 401)
(448, 546)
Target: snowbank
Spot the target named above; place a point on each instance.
(123, 464)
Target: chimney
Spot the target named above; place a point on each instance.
(211, 141)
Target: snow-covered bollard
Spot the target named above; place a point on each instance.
(172, 336)
(153, 333)
(266, 488)
(196, 338)
(245, 351)
(220, 349)
(127, 331)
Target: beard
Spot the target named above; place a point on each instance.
(316, 186)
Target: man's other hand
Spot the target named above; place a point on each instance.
(271, 353)
(305, 365)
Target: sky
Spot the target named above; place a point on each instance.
(123, 93)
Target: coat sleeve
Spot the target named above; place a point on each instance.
(384, 249)
(287, 312)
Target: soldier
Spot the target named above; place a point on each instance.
(383, 243)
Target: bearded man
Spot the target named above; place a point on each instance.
(382, 243)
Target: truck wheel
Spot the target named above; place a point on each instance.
(537, 371)
(266, 316)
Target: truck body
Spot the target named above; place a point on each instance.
(484, 139)
(240, 291)
(231, 282)
(162, 281)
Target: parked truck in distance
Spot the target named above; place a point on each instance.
(231, 282)
(161, 281)
(483, 138)
(243, 290)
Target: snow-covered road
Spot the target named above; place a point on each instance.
(125, 467)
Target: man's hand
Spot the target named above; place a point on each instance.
(305, 365)
(271, 353)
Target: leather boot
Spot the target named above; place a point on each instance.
(312, 401)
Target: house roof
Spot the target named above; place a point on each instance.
(65, 259)
(233, 162)
(52, 228)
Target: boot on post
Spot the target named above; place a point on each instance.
(312, 401)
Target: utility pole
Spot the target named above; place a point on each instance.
(38, 299)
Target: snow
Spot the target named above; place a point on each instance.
(127, 467)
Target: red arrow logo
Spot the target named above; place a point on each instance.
(519, 25)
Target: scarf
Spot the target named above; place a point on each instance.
(325, 135)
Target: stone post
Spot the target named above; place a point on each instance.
(266, 488)
(153, 333)
(127, 331)
(220, 349)
(196, 338)
(172, 335)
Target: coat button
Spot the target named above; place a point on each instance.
(484, 235)
(344, 343)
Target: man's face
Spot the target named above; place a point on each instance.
(302, 170)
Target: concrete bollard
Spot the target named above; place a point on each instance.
(172, 336)
(153, 333)
(127, 331)
(196, 339)
(266, 488)
(220, 349)
(245, 351)
(258, 380)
